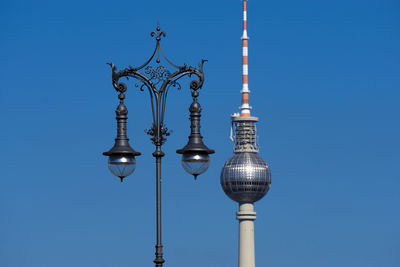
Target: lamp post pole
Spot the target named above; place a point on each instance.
(157, 80)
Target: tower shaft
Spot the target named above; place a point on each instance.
(246, 217)
(245, 107)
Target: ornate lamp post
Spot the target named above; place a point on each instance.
(157, 80)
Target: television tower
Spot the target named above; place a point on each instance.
(245, 177)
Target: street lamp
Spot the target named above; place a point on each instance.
(157, 80)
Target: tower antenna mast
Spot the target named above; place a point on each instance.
(245, 107)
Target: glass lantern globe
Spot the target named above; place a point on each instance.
(195, 163)
(121, 166)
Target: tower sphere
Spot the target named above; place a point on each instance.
(245, 177)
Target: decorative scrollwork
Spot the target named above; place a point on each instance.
(157, 80)
(165, 131)
(150, 131)
(194, 85)
(158, 74)
(141, 84)
(122, 87)
(158, 139)
(176, 85)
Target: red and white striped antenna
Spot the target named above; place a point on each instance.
(245, 107)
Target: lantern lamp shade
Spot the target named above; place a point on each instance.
(195, 163)
(122, 165)
(121, 158)
(195, 156)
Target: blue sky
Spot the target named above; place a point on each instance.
(324, 81)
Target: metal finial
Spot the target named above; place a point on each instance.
(158, 33)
